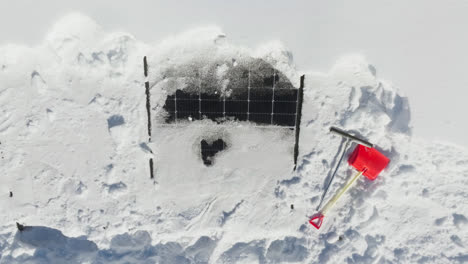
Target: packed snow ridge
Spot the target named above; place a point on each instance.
(74, 158)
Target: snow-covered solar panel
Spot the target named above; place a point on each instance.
(270, 104)
(227, 93)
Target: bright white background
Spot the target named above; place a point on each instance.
(421, 46)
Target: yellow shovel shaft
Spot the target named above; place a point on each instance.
(337, 196)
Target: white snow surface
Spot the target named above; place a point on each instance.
(74, 153)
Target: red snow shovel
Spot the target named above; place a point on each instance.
(368, 162)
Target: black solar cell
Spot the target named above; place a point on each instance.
(235, 106)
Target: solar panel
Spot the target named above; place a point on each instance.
(269, 104)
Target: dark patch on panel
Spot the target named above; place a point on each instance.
(285, 95)
(261, 107)
(212, 106)
(285, 108)
(261, 94)
(284, 120)
(271, 80)
(233, 106)
(182, 95)
(260, 118)
(208, 151)
(238, 94)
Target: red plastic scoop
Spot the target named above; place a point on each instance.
(369, 162)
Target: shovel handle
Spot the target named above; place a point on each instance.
(317, 219)
(337, 196)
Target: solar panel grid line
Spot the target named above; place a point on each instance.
(183, 124)
(152, 84)
(287, 108)
(199, 96)
(234, 100)
(224, 104)
(263, 87)
(235, 106)
(175, 107)
(279, 119)
(186, 112)
(248, 98)
(259, 88)
(273, 97)
(251, 87)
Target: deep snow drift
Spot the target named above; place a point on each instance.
(74, 154)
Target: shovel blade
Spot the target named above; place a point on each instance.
(317, 220)
(369, 160)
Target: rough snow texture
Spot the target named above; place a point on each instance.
(74, 153)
